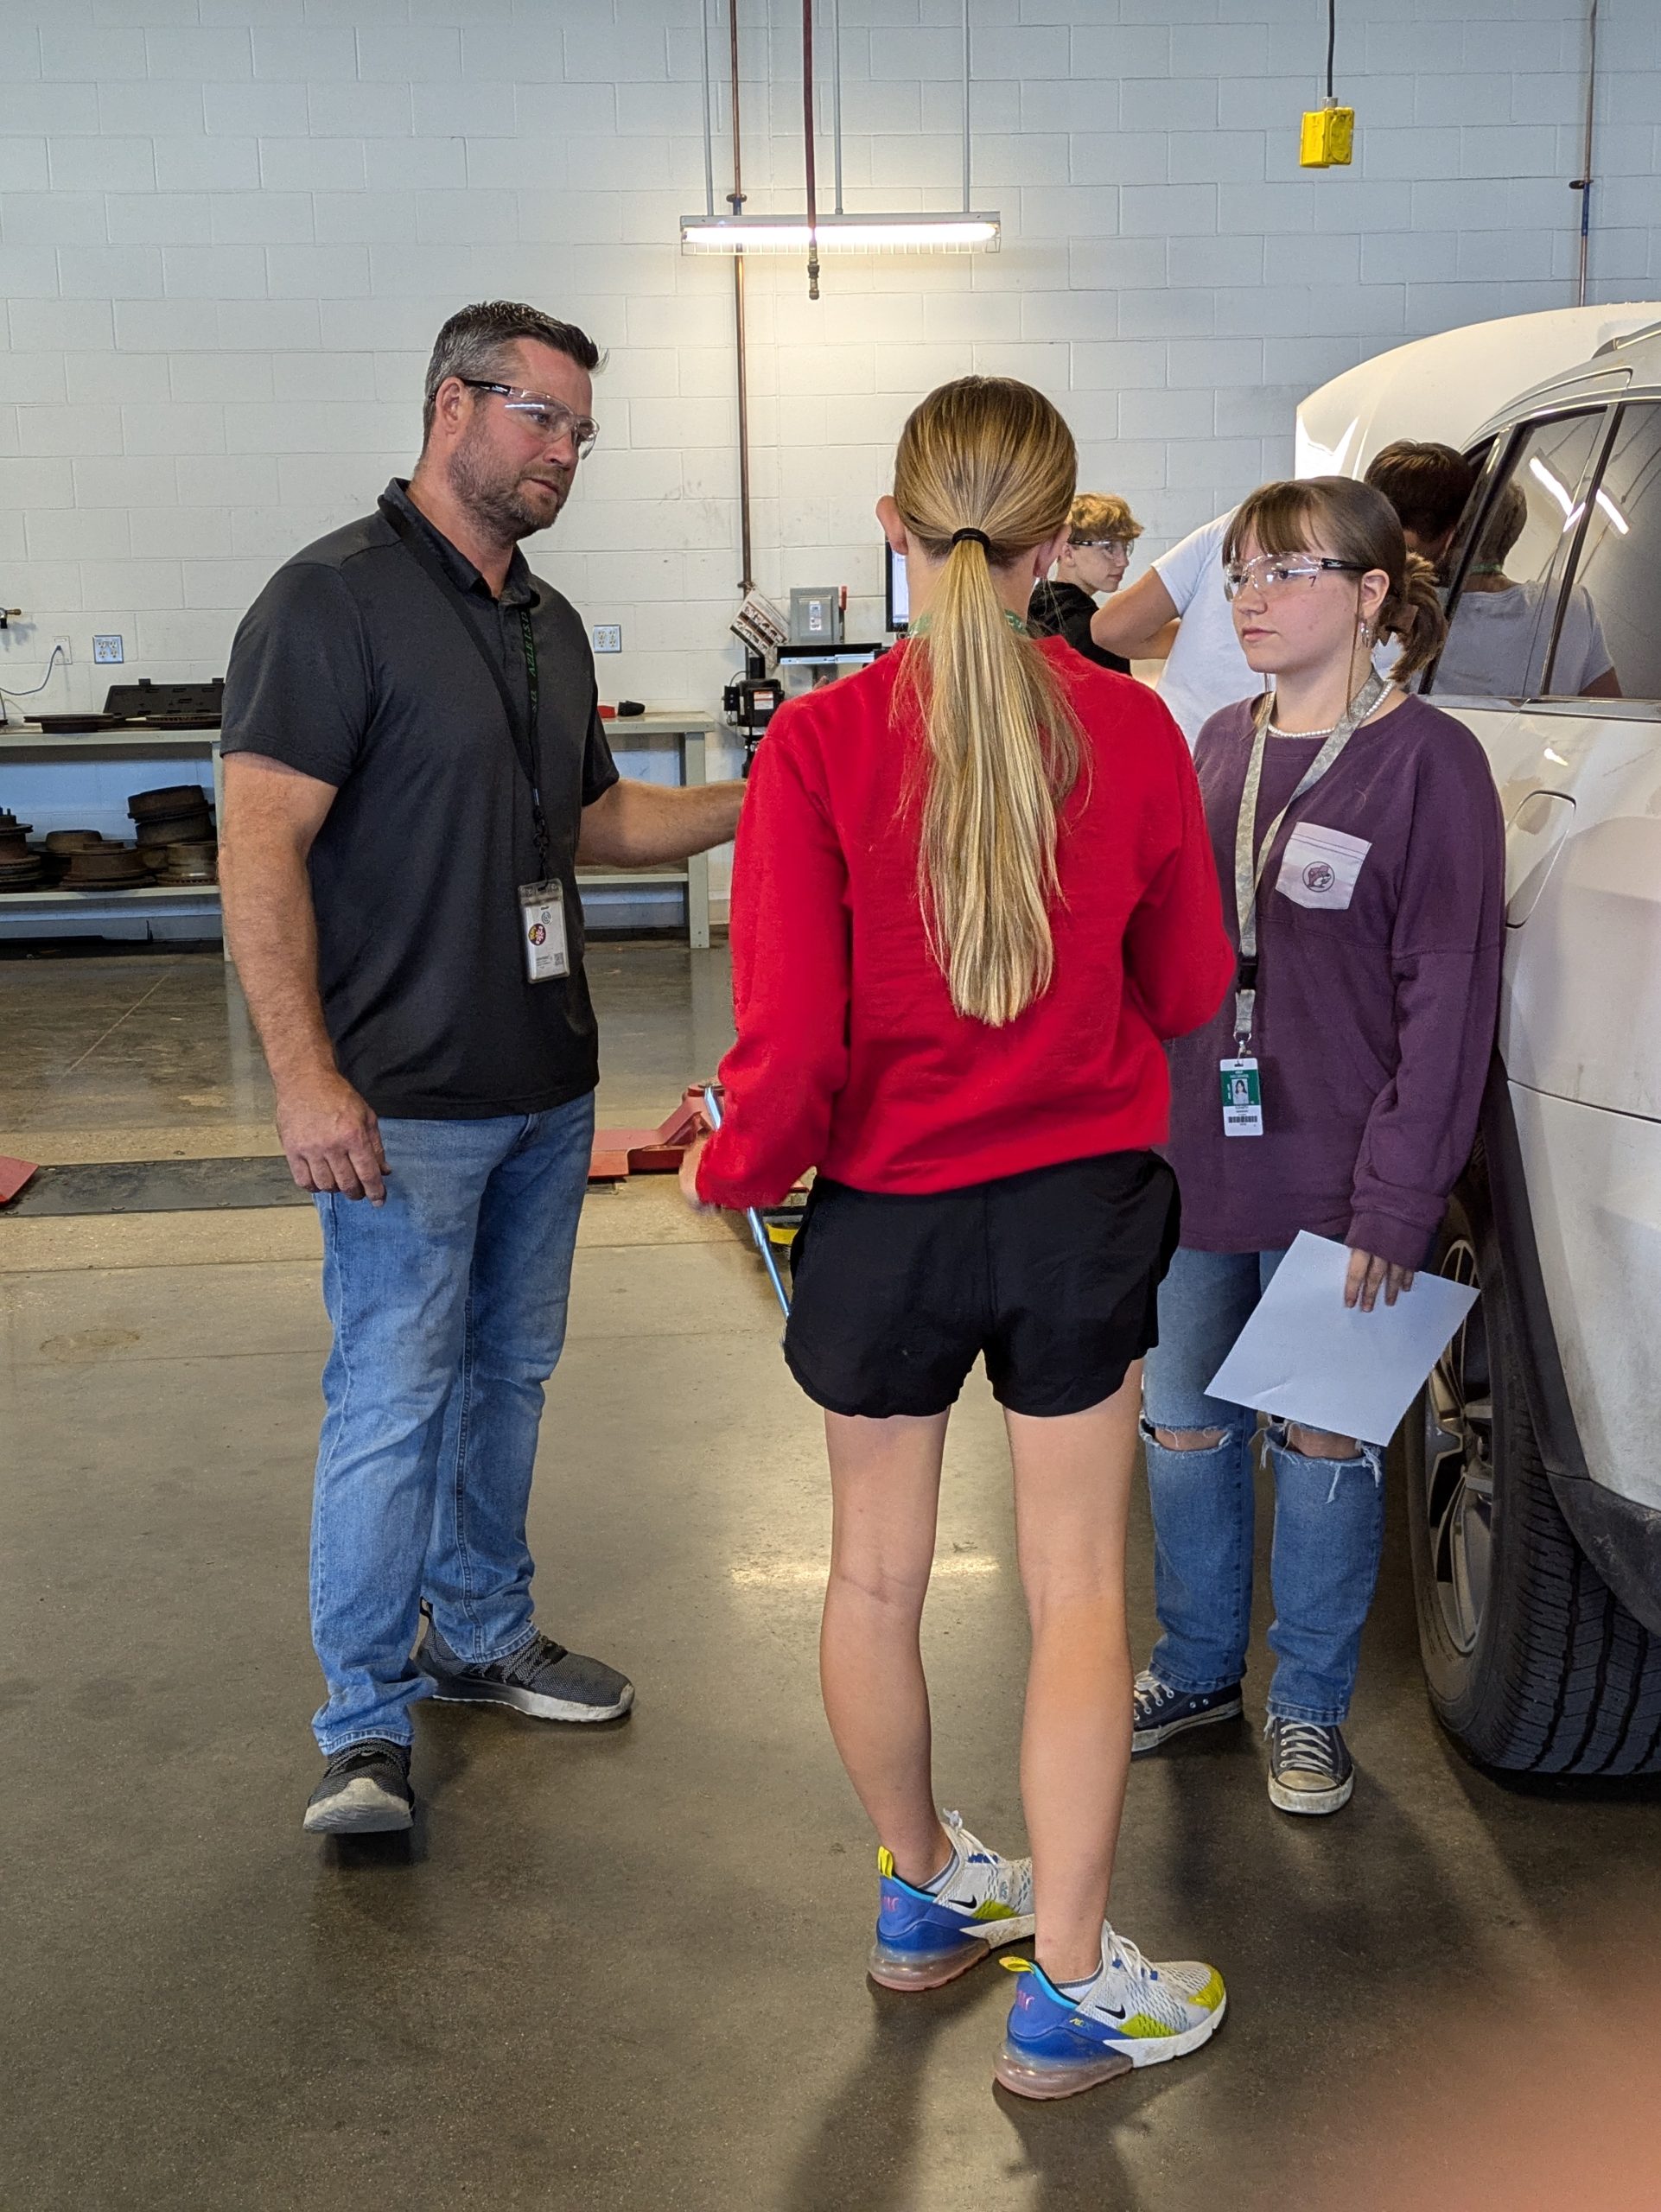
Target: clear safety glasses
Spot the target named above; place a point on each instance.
(1273, 572)
(549, 419)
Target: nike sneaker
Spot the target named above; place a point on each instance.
(925, 1937)
(1129, 2014)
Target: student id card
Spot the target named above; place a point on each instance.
(1243, 1099)
(541, 931)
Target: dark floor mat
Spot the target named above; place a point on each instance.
(158, 1187)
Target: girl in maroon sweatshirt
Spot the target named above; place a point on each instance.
(1336, 1090)
(973, 892)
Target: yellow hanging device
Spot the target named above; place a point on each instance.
(1329, 140)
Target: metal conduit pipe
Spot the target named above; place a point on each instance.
(735, 200)
(966, 202)
(835, 93)
(704, 7)
(1583, 183)
(808, 151)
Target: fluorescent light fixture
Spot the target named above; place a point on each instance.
(840, 233)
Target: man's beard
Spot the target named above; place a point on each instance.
(494, 498)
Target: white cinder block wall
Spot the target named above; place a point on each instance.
(229, 229)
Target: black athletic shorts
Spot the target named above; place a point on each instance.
(1053, 1275)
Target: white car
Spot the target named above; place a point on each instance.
(1534, 1465)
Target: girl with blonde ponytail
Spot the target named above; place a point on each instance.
(972, 896)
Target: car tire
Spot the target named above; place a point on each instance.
(1533, 1665)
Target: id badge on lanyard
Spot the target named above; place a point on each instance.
(541, 905)
(1242, 1098)
(541, 931)
(1241, 1077)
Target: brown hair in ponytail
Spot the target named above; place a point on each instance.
(1352, 522)
(990, 455)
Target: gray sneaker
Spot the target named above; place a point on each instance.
(365, 1791)
(544, 1680)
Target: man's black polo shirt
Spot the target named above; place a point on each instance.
(352, 666)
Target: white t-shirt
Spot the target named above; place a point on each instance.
(1493, 651)
(1207, 668)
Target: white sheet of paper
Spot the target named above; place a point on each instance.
(1305, 1357)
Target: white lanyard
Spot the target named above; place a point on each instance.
(1250, 864)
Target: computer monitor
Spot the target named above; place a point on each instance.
(896, 592)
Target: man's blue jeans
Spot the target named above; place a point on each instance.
(1329, 1513)
(448, 1309)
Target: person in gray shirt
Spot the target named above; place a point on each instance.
(414, 766)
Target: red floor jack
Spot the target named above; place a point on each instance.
(14, 1173)
(619, 1153)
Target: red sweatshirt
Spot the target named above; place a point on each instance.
(850, 1056)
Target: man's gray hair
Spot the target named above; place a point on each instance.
(473, 341)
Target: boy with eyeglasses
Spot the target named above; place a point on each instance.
(1101, 531)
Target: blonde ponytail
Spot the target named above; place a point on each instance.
(985, 472)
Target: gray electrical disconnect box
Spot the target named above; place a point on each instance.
(816, 616)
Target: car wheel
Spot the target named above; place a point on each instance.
(1533, 1665)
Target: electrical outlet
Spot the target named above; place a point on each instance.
(64, 650)
(608, 637)
(108, 648)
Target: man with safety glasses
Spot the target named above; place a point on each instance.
(415, 765)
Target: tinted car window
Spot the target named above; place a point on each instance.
(1500, 625)
(1618, 570)
(1480, 456)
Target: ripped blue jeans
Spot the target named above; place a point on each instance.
(1329, 1513)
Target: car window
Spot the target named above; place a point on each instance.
(1481, 458)
(1611, 625)
(1500, 624)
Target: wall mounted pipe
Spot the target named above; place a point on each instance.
(1583, 183)
(808, 151)
(735, 200)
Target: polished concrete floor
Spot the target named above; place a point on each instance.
(624, 1968)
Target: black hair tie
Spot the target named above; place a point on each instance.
(978, 536)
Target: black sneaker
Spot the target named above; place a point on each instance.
(544, 1680)
(364, 1791)
(1160, 1711)
(1310, 1769)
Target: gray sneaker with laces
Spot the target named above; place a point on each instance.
(544, 1680)
(365, 1791)
(1310, 1769)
